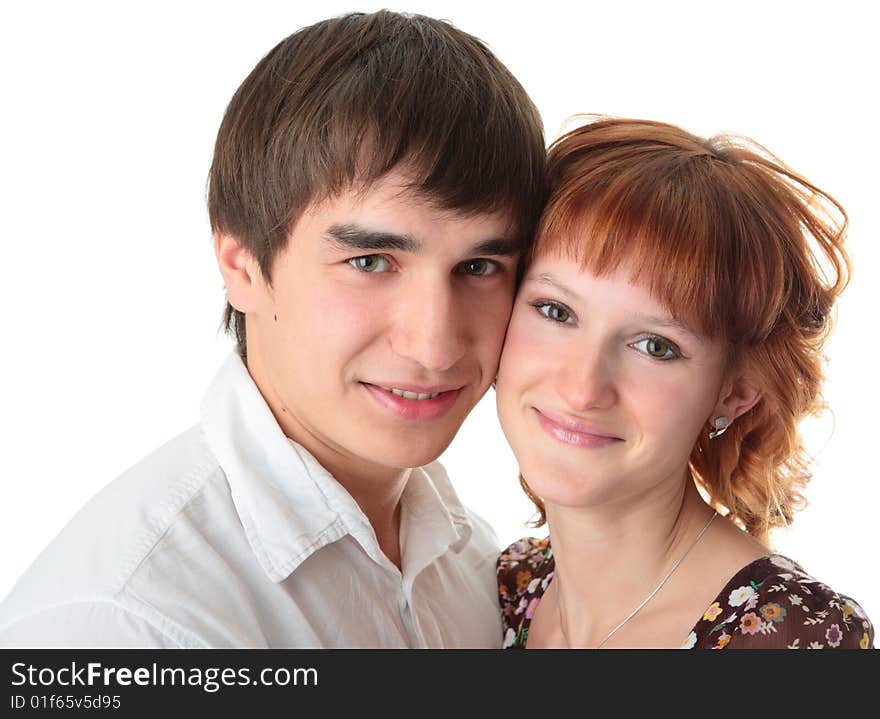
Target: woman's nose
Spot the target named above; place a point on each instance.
(586, 380)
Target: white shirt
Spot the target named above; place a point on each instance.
(232, 535)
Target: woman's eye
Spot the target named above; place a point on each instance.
(658, 348)
(479, 268)
(554, 311)
(370, 263)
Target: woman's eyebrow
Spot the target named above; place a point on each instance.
(669, 322)
(547, 279)
(663, 321)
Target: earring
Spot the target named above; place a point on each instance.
(721, 425)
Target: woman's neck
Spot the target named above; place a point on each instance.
(609, 560)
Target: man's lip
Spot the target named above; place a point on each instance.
(429, 408)
(420, 389)
(575, 425)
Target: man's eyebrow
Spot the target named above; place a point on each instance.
(355, 237)
(498, 247)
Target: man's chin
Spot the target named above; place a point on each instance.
(410, 456)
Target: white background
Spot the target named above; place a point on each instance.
(111, 297)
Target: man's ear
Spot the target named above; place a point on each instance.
(738, 396)
(240, 271)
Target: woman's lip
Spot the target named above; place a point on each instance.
(574, 432)
(413, 409)
(575, 425)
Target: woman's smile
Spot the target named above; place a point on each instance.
(575, 432)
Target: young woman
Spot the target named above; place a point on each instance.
(664, 345)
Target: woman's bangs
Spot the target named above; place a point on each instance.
(669, 247)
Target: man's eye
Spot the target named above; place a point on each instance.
(657, 347)
(555, 311)
(370, 263)
(479, 268)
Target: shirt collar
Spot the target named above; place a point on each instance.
(290, 506)
(432, 521)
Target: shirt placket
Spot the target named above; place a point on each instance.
(414, 637)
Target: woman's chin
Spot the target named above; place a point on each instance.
(565, 489)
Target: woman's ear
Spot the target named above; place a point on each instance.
(239, 270)
(738, 395)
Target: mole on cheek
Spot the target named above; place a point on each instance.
(276, 317)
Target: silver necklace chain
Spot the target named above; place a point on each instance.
(646, 600)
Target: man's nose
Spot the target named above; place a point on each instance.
(430, 326)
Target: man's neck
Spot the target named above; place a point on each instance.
(376, 489)
(381, 504)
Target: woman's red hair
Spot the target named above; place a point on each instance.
(735, 244)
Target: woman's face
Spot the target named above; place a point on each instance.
(600, 392)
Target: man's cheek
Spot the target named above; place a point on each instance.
(497, 329)
(343, 313)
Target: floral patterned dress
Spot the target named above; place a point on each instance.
(771, 603)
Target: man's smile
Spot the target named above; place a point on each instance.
(412, 402)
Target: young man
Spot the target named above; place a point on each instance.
(375, 179)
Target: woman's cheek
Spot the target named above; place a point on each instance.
(673, 403)
(522, 354)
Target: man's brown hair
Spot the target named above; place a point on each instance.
(344, 101)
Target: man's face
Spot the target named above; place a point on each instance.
(379, 294)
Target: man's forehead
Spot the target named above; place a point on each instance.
(396, 190)
(393, 199)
